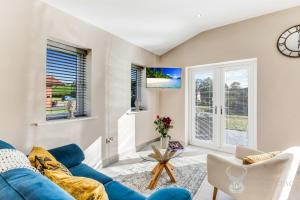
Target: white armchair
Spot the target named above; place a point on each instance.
(270, 179)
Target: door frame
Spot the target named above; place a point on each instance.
(252, 92)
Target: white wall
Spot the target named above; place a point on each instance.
(278, 76)
(119, 99)
(25, 27)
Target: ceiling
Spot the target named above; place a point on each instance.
(160, 25)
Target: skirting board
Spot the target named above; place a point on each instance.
(142, 146)
(108, 161)
(115, 158)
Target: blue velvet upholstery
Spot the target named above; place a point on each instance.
(4, 145)
(24, 184)
(117, 191)
(86, 171)
(7, 192)
(171, 193)
(69, 155)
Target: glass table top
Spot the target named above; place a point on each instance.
(146, 152)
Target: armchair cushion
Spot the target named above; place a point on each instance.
(260, 157)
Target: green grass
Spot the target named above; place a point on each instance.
(64, 90)
(56, 98)
(236, 122)
(56, 111)
(233, 122)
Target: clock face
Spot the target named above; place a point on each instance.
(289, 42)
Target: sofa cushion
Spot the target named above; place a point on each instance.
(117, 191)
(26, 185)
(4, 145)
(86, 171)
(173, 193)
(69, 155)
(81, 188)
(14, 159)
(7, 192)
(43, 160)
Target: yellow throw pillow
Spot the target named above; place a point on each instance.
(79, 187)
(260, 157)
(42, 160)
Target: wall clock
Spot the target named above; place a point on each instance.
(289, 42)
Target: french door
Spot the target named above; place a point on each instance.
(222, 104)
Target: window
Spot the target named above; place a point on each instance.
(136, 85)
(65, 80)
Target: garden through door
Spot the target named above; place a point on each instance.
(222, 104)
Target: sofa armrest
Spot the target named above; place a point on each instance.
(69, 155)
(242, 151)
(171, 193)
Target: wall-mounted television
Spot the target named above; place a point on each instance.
(163, 77)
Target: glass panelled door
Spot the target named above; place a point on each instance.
(222, 109)
(235, 110)
(203, 107)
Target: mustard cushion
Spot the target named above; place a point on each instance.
(41, 159)
(259, 157)
(80, 188)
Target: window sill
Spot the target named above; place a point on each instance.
(63, 121)
(136, 112)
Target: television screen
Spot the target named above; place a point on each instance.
(163, 77)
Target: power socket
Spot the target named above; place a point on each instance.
(109, 140)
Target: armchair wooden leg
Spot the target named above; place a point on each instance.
(215, 193)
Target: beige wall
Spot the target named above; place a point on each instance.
(24, 29)
(26, 25)
(278, 76)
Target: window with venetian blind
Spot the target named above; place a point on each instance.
(136, 85)
(65, 80)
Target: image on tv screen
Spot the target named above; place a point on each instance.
(163, 77)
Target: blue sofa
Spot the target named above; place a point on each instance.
(24, 184)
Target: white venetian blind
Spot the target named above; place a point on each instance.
(136, 84)
(66, 79)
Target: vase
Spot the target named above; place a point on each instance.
(137, 104)
(164, 142)
(71, 108)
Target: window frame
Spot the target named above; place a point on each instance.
(138, 75)
(81, 78)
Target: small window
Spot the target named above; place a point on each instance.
(136, 87)
(65, 80)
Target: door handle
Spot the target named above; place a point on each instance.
(221, 110)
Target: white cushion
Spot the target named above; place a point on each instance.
(14, 159)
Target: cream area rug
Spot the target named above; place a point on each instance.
(190, 171)
(189, 177)
(134, 172)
